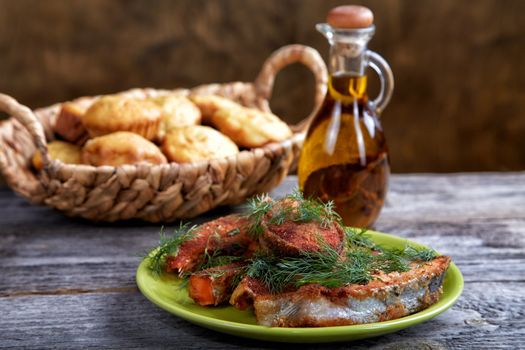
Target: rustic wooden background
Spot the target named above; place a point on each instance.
(69, 284)
(459, 66)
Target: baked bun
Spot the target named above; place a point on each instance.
(194, 143)
(117, 113)
(120, 148)
(209, 104)
(250, 127)
(177, 111)
(59, 150)
(247, 127)
(69, 122)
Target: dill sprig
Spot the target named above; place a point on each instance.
(256, 208)
(421, 254)
(300, 209)
(216, 258)
(389, 260)
(264, 268)
(168, 245)
(296, 208)
(312, 209)
(327, 268)
(358, 237)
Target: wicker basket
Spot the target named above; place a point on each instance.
(153, 192)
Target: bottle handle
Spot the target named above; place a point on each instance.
(284, 56)
(381, 67)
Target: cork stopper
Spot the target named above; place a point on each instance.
(350, 17)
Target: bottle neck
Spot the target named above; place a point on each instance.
(346, 88)
(347, 63)
(347, 80)
(347, 59)
(347, 49)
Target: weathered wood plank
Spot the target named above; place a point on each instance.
(48, 275)
(70, 283)
(484, 317)
(64, 253)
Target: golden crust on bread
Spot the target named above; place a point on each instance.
(59, 150)
(120, 148)
(194, 143)
(117, 113)
(210, 104)
(250, 127)
(247, 127)
(69, 122)
(177, 111)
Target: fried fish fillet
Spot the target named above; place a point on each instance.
(228, 234)
(387, 297)
(293, 238)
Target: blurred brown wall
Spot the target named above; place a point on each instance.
(459, 103)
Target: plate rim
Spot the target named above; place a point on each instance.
(265, 332)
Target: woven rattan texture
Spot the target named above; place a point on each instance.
(156, 193)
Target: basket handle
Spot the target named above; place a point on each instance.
(28, 119)
(281, 58)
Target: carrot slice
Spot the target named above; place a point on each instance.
(200, 289)
(213, 286)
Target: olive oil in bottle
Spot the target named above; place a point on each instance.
(344, 156)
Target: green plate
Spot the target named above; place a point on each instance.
(166, 293)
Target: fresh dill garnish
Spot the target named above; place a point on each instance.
(330, 214)
(239, 276)
(263, 268)
(358, 237)
(279, 217)
(218, 273)
(216, 258)
(296, 208)
(293, 207)
(421, 254)
(327, 268)
(389, 260)
(257, 207)
(324, 268)
(311, 209)
(169, 245)
(185, 281)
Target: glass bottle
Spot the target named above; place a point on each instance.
(345, 156)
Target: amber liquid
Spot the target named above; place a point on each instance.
(344, 156)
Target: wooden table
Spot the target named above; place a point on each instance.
(68, 283)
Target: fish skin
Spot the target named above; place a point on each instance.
(246, 291)
(209, 237)
(294, 239)
(291, 238)
(388, 297)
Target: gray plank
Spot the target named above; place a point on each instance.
(48, 276)
(67, 253)
(488, 316)
(67, 282)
